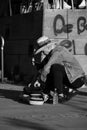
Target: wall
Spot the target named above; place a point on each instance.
(20, 33)
(68, 24)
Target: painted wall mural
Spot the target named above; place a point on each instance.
(69, 25)
(66, 28)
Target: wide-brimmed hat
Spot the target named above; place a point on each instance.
(49, 46)
(43, 41)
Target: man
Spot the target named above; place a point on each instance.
(59, 67)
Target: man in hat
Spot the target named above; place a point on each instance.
(59, 68)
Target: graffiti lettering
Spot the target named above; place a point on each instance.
(66, 28)
(81, 25)
(56, 30)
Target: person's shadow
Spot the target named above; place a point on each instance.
(10, 94)
(82, 93)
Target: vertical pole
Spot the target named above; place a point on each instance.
(10, 8)
(72, 3)
(58, 4)
(54, 4)
(61, 4)
(86, 4)
(2, 60)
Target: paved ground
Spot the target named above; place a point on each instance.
(15, 115)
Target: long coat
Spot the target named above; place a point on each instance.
(60, 55)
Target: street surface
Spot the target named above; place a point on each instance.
(16, 115)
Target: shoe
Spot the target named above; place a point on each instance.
(66, 91)
(71, 94)
(68, 94)
(45, 97)
(61, 99)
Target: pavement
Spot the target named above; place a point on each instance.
(16, 115)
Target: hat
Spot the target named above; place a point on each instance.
(43, 41)
(50, 45)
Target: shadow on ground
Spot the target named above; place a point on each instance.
(26, 124)
(10, 94)
(78, 101)
(14, 94)
(82, 93)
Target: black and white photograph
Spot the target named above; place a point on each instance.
(43, 64)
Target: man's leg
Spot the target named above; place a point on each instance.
(71, 88)
(75, 85)
(57, 72)
(49, 84)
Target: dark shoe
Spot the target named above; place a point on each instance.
(71, 94)
(61, 99)
(66, 91)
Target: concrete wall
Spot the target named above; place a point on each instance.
(68, 24)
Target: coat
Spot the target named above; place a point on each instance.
(60, 55)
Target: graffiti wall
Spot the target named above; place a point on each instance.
(70, 25)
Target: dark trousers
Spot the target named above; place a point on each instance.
(57, 78)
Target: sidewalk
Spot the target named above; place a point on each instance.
(15, 115)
